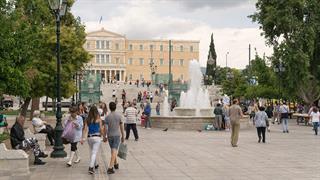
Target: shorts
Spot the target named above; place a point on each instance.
(114, 142)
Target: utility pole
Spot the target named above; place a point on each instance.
(249, 69)
(170, 75)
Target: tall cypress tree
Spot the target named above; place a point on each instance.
(211, 68)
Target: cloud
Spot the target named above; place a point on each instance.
(213, 4)
(146, 19)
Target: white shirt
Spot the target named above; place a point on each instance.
(284, 109)
(38, 124)
(315, 117)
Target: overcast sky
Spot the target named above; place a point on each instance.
(181, 19)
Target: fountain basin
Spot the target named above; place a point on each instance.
(179, 111)
(206, 112)
(181, 122)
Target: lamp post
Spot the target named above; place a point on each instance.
(279, 69)
(59, 8)
(211, 61)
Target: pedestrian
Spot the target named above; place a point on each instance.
(284, 110)
(218, 117)
(77, 123)
(103, 110)
(151, 97)
(235, 113)
(41, 126)
(276, 113)
(315, 116)
(93, 130)
(113, 129)
(261, 122)
(147, 112)
(143, 120)
(18, 141)
(131, 115)
(123, 95)
(226, 117)
(158, 108)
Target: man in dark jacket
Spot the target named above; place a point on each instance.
(18, 141)
(218, 112)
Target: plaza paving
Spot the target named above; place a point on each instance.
(200, 156)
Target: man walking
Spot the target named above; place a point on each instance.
(235, 113)
(113, 129)
(131, 121)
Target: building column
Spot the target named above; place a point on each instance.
(120, 75)
(124, 75)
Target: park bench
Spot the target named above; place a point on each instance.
(302, 118)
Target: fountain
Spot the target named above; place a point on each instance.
(195, 102)
(194, 111)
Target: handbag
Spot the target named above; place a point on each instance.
(123, 149)
(68, 132)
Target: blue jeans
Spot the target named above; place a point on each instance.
(315, 127)
(285, 124)
(147, 122)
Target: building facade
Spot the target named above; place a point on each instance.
(121, 59)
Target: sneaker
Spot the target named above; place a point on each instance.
(91, 171)
(287, 131)
(69, 164)
(116, 166)
(42, 155)
(39, 162)
(110, 171)
(284, 131)
(136, 139)
(96, 166)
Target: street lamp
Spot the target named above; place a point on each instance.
(59, 8)
(279, 69)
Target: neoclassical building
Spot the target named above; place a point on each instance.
(117, 58)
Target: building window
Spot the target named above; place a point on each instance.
(107, 58)
(141, 47)
(117, 46)
(151, 61)
(191, 48)
(97, 44)
(161, 62)
(88, 45)
(151, 47)
(107, 44)
(102, 43)
(98, 58)
(130, 47)
(181, 62)
(102, 59)
(117, 60)
(181, 77)
(181, 48)
(141, 61)
(130, 76)
(141, 76)
(172, 62)
(130, 61)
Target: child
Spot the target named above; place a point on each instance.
(143, 119)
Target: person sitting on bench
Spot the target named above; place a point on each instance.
(18, 141)
(41, 126)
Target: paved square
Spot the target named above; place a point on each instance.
(185, 155)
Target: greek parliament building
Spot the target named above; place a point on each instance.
(117, 58)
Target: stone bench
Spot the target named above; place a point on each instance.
(14, 164)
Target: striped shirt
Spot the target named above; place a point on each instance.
(131, 115)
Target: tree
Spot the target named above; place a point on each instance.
(32, 35)
(292, 27)
(211, 68)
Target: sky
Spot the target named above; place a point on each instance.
(228, 20)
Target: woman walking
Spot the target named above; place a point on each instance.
(315, 117)
(93, 129)
(261, 122)
(77, 123)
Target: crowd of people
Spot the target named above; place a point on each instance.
(259, 116)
